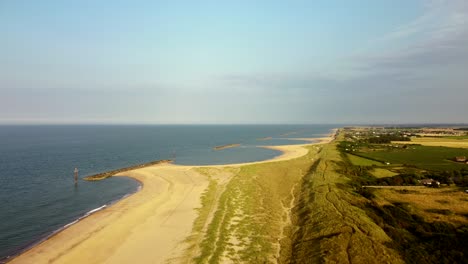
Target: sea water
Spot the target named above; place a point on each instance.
(37, 192)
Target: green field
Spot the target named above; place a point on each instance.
(359, 161)
(457, 137)
(382, 173)
(425, 157)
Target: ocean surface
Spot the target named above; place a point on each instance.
(37, 193)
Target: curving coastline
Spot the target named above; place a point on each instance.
(163, 209)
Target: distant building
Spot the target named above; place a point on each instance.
(426, 181)
(429, 183)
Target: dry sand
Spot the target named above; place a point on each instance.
(146, 227)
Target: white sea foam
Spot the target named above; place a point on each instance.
(95, 210)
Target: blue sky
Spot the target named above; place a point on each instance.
(369, 61)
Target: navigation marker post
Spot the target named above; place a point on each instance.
(76, 175)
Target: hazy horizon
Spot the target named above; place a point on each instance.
(205, 62)
(338, 125)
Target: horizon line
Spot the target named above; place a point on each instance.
(229, 124)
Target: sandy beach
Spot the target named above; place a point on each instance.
(149, 226)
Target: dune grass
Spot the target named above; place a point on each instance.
(328, 226)
(250, 214)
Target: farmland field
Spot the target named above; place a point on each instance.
(382, 173)
(457, 137)
(426, 225)
(447, 204)
(359, 161)
(451, 142)
(425, 157)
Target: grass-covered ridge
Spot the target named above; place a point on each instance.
(245, 217)
(328, 225)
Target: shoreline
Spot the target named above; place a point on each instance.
(89, 213)
(148, 174)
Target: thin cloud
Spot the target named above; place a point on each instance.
(439, 38)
